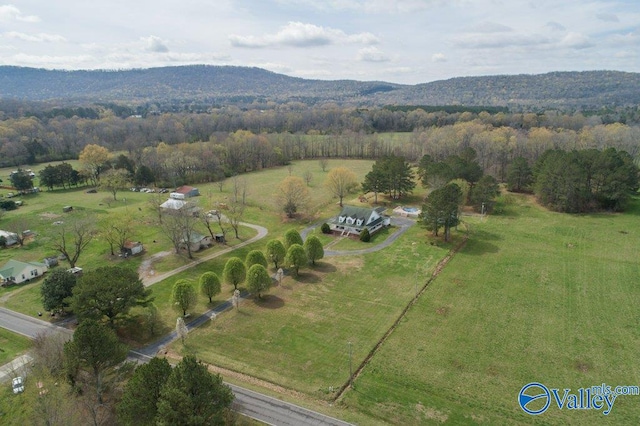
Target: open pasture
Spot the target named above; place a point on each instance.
(534, 296)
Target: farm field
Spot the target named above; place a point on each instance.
(534, 296)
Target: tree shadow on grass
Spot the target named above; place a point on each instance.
(307, 278)
(323, 267)
(480, 243)
(269, 301)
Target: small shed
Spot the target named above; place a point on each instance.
(10, 238)
(50, 261)
(196, 241)
(131, 248)
(187, 191)
(67, 209)
(220, 238)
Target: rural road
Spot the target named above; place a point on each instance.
(276, 412)
(252, 404)
(261, 407)
(26, 325)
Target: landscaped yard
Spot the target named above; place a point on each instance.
(534, 296)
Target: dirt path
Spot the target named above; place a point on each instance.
(149, 277)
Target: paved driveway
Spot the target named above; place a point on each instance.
(402, 223)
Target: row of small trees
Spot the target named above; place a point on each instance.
(293, 253)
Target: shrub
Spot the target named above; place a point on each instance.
(325, 228)
(365, 236)
(8, 205)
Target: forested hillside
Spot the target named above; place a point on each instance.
(227, 85)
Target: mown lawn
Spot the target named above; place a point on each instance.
(41, 210)
(298, 335)
(534, 296)
(12, 345)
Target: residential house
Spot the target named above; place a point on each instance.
(16, 272)
(352, 220)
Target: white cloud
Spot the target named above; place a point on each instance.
(608, 17)
(438, 57)
(554, 26)
(298, 34)
(371, 54)
(626, 54)
(629, 39)
(9, 12)
(366, 6)
(498, 40)
(491, 27)
(272, 66)
(576, 41)
(36, 38)
(155, 44)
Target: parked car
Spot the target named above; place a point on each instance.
(17, 384)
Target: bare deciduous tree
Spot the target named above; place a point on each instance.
(155, 203)
(116, 230)
(18, 226)
(48, 351)
(308, 177)
(179, 227)
(234, 215)
(71, 239)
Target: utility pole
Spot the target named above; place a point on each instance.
(350, 369)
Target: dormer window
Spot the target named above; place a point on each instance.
(341, 219)
(359, 222)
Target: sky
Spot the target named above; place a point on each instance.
(399, 41)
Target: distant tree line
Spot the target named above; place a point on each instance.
(298, 131)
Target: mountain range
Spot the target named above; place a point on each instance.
(224, 85)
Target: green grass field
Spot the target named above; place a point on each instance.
(12, 345)
(298, 335)
(534, 296)
(41, 210)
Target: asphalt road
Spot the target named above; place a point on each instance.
(26, 325)
(249, 403)
(276, 412)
